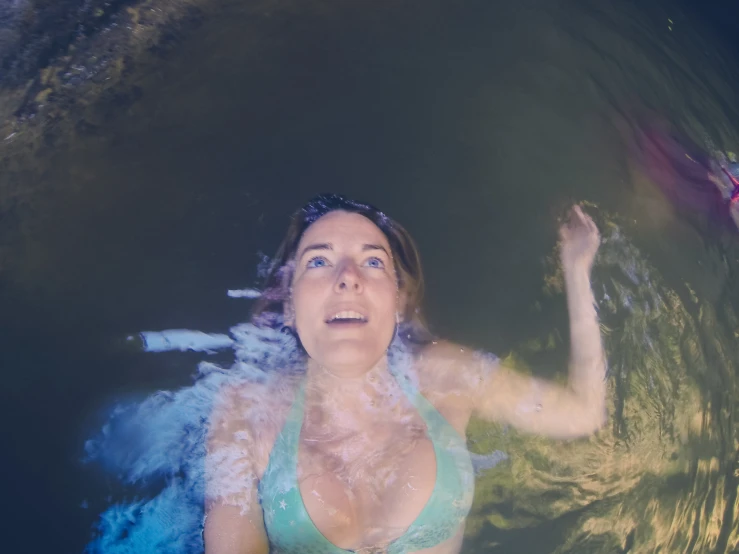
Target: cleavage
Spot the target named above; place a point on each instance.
(366, 486)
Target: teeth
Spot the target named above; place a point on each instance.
(348, 315)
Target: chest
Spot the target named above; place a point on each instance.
(366, 486)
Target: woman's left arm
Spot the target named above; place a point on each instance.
(544, 407)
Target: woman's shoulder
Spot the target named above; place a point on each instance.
(449, 367)
(447, 378)
(256, 407)
(443, 356)
(256, 400)
(249, 414)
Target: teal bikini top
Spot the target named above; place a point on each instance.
(289, 527)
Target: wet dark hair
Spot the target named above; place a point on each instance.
(269, 308)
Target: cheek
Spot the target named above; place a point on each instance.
(387, 301)
(304, 300)
(307, 299)
(391, 291)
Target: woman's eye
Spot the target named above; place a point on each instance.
(376, 262)
(318, 261)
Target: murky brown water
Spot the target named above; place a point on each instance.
(474, 124)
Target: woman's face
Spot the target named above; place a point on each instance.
(344, 293)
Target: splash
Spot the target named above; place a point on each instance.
(158, 447)
(183, 339)
(160, 444)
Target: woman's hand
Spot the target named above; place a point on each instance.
(579, 241)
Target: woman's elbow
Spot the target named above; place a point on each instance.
(592, 422)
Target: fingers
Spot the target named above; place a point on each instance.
(569, 224)
(582, 216)
(586, 220)
(577, 219)
(591, 225)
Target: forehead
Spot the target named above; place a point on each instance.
(343, 229)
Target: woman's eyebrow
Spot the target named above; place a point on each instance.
(366, 247)
(319, 246)
(329, 246)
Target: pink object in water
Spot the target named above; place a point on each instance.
(682, 170)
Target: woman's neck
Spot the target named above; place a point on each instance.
(349, 400)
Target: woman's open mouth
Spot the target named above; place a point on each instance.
(347, 317)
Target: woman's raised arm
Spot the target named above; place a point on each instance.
(537, 405)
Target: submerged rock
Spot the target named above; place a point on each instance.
(63, 61)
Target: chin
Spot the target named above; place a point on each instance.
(351, 357)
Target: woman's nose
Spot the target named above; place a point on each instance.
(349, 278)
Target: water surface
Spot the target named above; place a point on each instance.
(474, 124)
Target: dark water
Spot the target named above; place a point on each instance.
(474, 124)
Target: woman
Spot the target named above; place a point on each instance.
(363, 450)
